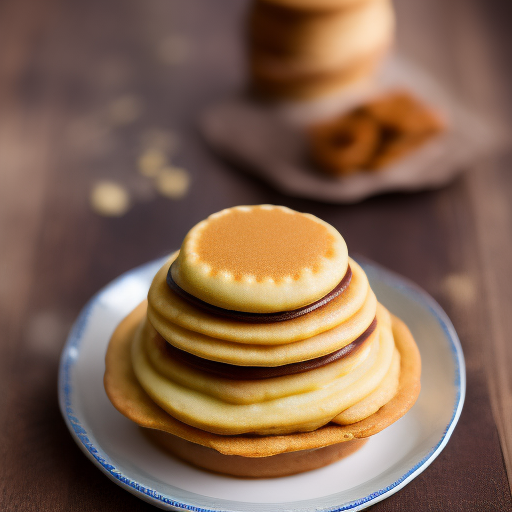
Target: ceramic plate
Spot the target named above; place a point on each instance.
(384, 465)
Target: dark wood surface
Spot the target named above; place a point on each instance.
(62, 63)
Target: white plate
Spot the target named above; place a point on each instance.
(384, 465)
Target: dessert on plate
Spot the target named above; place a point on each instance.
(262, 350)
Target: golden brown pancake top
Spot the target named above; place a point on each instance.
(264, 243)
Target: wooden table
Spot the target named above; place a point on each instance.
(61, 66)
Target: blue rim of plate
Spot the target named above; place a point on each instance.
(71, 352)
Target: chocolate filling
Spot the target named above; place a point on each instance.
(230, 371)
(260, 317)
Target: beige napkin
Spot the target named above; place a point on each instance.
(269, 141)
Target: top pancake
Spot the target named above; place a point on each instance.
(260, 259)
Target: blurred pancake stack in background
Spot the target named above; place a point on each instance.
(304, 49)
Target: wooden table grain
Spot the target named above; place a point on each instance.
(62, 64)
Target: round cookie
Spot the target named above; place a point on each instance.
(260, 259)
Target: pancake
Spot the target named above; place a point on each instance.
(127, 395)
(272, 411)
(247, 391)
(245, 354)
(230, 371)
(259, 318)
(287, 46)
(271, 84)
(231, 260)
(386, 390)
(166, 310)
(282, 464)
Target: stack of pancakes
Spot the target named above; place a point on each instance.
(262, 350)
(301, 49)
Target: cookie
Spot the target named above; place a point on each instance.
(374, 135)
(345, 146)
(396, 146)
(400, 112)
